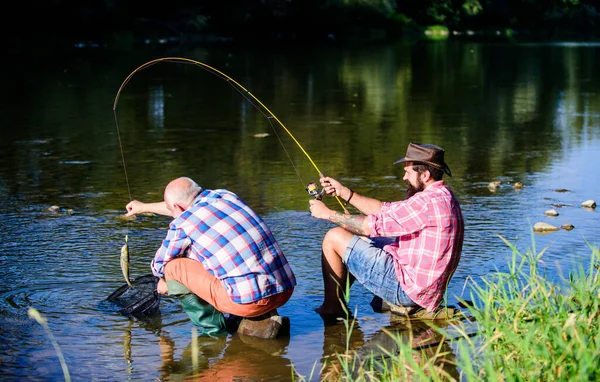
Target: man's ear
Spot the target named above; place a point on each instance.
(425, 176)
(178, 208)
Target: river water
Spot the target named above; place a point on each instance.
(527, 113)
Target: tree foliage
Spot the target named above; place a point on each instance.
(289, 20)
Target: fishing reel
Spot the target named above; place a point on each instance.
(313, 190)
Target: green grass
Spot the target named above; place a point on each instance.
(528, 329)
(534, 329)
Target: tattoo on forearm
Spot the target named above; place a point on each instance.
(351, 223)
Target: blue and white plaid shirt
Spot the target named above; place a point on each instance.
(232, 242)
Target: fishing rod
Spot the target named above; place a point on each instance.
(312, 188)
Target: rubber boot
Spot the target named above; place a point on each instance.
(201, 313)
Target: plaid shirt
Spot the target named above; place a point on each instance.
(429, 231)
(232, 242)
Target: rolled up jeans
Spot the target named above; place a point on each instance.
(199, 281)
(374, 268)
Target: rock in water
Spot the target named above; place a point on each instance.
(589, 204)
(268, 326)
(494, 185)
(544, 227)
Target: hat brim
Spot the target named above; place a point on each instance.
(443, 168)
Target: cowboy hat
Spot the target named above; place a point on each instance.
(425, 153)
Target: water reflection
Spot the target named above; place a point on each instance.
(156, 107)
(349, 353)
(222, 358)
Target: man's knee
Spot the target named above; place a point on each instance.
(337, 238)
(185, 270)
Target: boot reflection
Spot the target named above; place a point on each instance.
(339, 341)
(207, 349)
(226, 358)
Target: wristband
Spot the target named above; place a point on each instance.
(350, 197)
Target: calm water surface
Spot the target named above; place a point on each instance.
(526, 113)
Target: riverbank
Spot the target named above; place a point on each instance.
(542, 330)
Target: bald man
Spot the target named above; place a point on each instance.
(222, 251)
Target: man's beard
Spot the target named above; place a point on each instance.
(412, 190)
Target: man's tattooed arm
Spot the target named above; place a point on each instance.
(352, 223)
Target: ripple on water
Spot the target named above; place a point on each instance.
(84, 325)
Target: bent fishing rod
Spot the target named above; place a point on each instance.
(253, 100)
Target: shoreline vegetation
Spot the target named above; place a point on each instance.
(122, 25)
(528, 329)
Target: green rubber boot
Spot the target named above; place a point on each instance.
(201, 313)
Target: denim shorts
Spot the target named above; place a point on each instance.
(374, 269)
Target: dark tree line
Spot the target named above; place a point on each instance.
(107, 21)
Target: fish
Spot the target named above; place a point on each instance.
(125, 261)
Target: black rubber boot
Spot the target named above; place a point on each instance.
(201, 313)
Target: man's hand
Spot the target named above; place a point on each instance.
(331, 186)
(334, 188)
(319, 210)
(161, 287)
(134, 207)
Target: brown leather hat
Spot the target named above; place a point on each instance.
(426, 153)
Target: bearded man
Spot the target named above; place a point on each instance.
(404, 252)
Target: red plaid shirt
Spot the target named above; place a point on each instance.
(429, 231)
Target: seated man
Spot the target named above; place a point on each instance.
(221, 251)
(405, 251)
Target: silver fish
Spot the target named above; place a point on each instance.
(125, 261)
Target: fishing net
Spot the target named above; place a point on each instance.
(141, 300)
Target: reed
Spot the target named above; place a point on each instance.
(529, 328)
(535, 329)
(36, 315)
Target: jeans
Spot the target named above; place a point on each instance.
(374, 269)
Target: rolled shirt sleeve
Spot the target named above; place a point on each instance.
(400, 218)
(428, 229)
(174, 245)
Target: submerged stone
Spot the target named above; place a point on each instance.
(399, 311)
(567, 226)
(544, 227)
(441, 313)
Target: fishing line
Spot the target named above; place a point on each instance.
(122, 156)
(240, 89)
(124, 257)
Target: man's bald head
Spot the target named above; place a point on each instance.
(180, 194)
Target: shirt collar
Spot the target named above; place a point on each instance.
(202, 196)
(436, 184)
